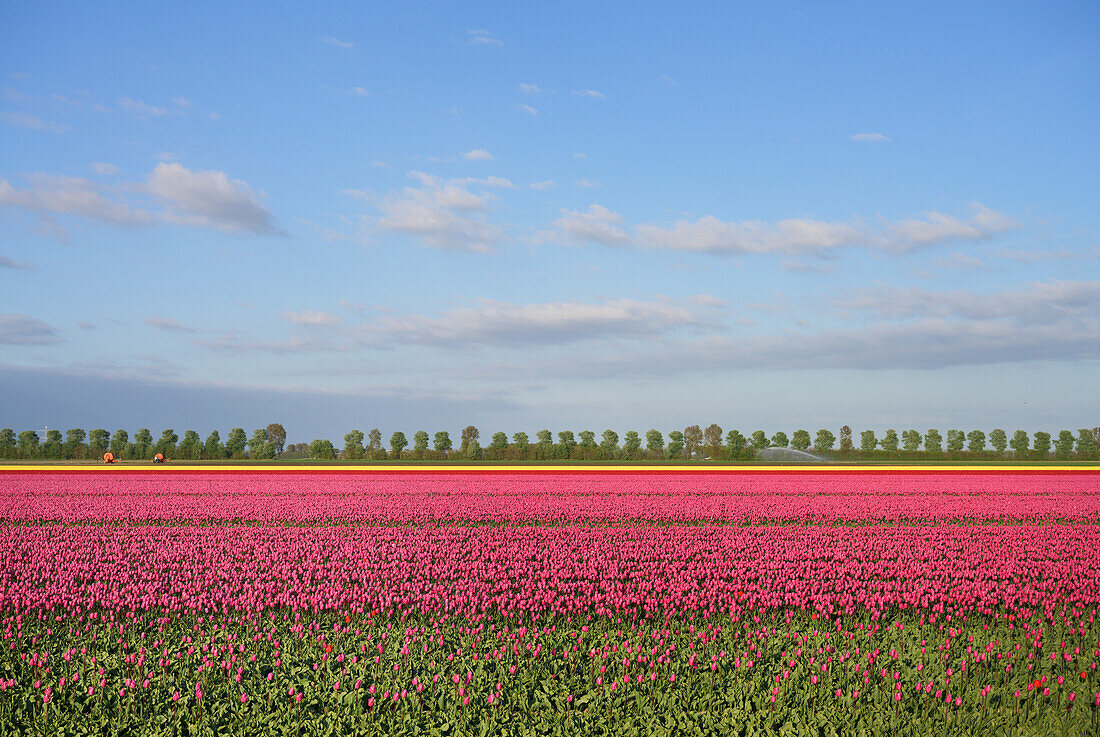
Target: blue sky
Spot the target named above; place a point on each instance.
(623, 215)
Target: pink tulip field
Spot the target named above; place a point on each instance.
(266, 603)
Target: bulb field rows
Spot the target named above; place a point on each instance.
(266, 604)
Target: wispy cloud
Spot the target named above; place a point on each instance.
(22, 329)
(182, 102)
(168, 324)
(333, 41)
(107, 170)
(141, 109)
(311, 318)
(597, 225)
(528, 89)
(26, 120)
(478, 154)
(869, 138)
(591, 94)
(9, 263)
(587, 184)
(482, 37)
(358, 92)
(533, 112)
(548, 184)
(48, 196)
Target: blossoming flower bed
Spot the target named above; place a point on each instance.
(352, 604)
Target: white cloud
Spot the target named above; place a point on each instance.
(168, 324)
(587, 184)
(442, 214)
(598, 225)
(869, 138)
(379, 164)
(548, 184)
(140, 109)
(533, 112)
(182, 102)
(478, 154)
(358, 92)
(482, 37)
(22, 329)
(528, 89)
(579, 155)
(331, 41)
(669, 79)
(107, 170)
(797, 236)
(25, 120)
(209, 199)
(311, 318)
(593, 94)
(506, 324)
(49, 196)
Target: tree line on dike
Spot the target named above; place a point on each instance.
(691, 443)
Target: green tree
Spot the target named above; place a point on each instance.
(846, 445)
(933, 441)
(470, 436)
(780, 440)
(143, 443)
(353, 445)
(1063, 446)
(322, 450)
(735, 444)
(276, 435)
(523, 444)
(374, 440)
(890, 441)
(52, 447)
(398, 443)
(567, 442)
(654, 442)
(910, 440)
(1020, 443)
(212, 449)
(420, 443)
(98, 440)
(74, 443)
(1040, 448)
(28, 444)
(1086, 444)
(442, 442)
(191, 446)
(956, 439)
(999, 440)
(120, 443)
(675, 443)
(867, 441)
(712, 441)
(693, 439)
(824, 440)
(800, 440)
(166, 446)
(257, 444)
(499, 444)
(545, 441)
(975, 441)
(588, 443)
(236, 442)
(759, 440)
(632, 443)
(609, 444)
(7, 443)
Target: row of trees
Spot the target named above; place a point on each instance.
(692, 442)
(75, 444)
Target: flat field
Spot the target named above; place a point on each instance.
(578, 601)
